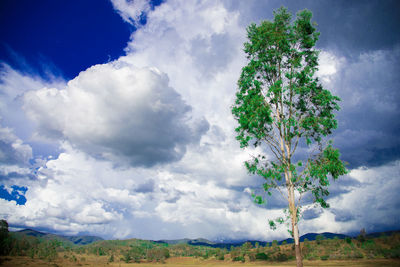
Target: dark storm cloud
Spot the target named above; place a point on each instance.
(311, 214)
(364, 35)
(343, 215)
(346, 26)
(369, 125)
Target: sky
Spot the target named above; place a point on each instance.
(115, 118)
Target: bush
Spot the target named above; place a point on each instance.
(239, 258)
(262, 256)
(252, 256)
(319, 239)
(281, 257)
(324, 257)
(348, 240)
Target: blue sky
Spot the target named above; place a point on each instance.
(115, 118)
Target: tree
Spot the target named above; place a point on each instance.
(5, 242)
(281, 104)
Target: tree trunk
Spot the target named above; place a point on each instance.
(295, 229)
(299, 258)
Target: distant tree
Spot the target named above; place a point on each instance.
(362, 236)
(262, 256)
(111, 259)
(319, 239)
(247, 246)
(5, 241)
(278, 103)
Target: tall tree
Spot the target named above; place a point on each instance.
(279, 104)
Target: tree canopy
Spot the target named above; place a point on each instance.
(281, 103)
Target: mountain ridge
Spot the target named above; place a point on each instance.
(87, 239)
(77, 240)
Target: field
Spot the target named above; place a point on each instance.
(90, 260)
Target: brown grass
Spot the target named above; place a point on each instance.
(93, 261)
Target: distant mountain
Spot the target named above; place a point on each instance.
(228, 244)
(77, 240)
(195, 242)
(31, 232)
(312, 236)
(387, 233)
(83, 240)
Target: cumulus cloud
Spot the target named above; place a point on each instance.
(80, 194)
(373, 204)
(131, 11)
(13, 151)
(116, 111)
(166, 105)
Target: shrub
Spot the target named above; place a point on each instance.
(324, 257)
(362, 236)
(239, 258)
(252, 256)
(319, 239)
(262, 256)
(348, 240)
(221, 257)
(111, 259)
(281, 257)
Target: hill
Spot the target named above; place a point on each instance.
(238, 243)
(77, 240)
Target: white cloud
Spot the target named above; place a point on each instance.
(167, 101)
(118, 112)
(328, 66)
(131, 10)
(13, 151)
(13, 84)
(79, 193)
(365, 206)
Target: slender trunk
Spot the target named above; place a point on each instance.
(295, 229)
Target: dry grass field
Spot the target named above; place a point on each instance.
(93, 261)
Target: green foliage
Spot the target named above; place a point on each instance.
(362, 236)
(247, 246)
(5, 239)
(238, 258)
(157, 254)
(219, 254)
(324, 257)
(319, 239)
(281, 257)
(348, 240)
(47, 250)
(262, 256)
(279, 102)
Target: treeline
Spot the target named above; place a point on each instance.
(135, 250)
(28, 246)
